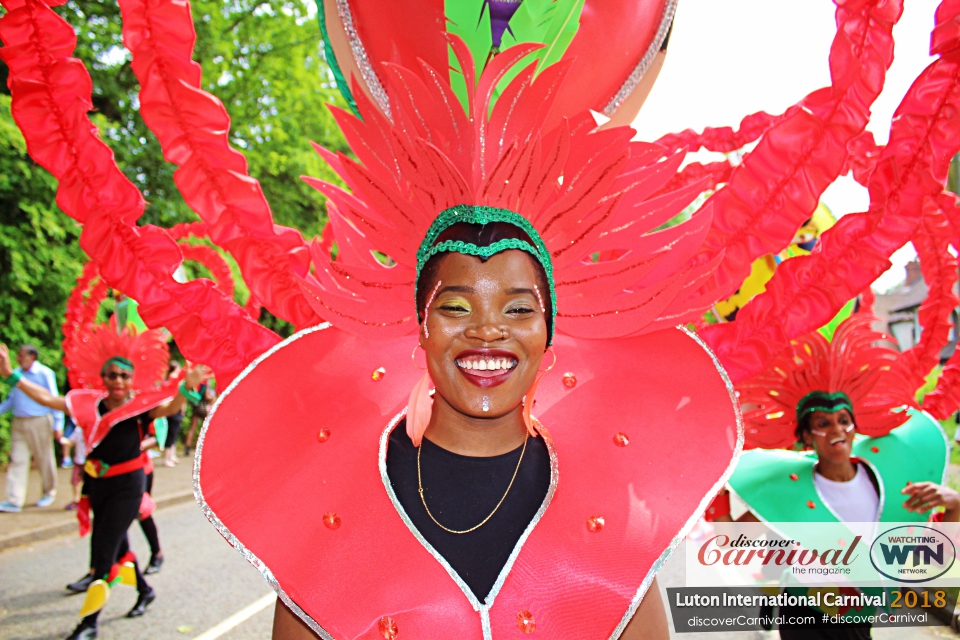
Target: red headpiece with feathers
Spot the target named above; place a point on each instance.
(88, 345)
(588, 193)
(856, 363)
(147, 351)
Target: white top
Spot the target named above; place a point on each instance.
(853, 501)
(80, 447)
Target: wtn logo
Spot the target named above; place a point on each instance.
(912, 553)
(922, 553)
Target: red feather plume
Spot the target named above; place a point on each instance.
(856, 362)
(93, 346)
(588, 192)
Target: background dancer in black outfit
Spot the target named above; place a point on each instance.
(114, 482)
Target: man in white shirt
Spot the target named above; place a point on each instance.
(32, 434)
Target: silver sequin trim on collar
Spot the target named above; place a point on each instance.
(362, 60)
(212, 517)
(482, 608)
(704, 502)
(666, 21)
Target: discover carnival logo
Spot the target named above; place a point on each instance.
(746, 551)
(912, 553)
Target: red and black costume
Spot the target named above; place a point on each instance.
(114, 487)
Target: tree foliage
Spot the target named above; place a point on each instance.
(39, 254)
(263, 59)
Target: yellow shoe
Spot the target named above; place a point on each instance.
(97, 595)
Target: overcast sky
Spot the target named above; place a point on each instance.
(730, 58)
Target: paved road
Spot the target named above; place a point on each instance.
(203, 583)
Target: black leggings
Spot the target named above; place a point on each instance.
(115, 503)
(149, 526)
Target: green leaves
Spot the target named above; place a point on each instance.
(260, 57)
(40, 257)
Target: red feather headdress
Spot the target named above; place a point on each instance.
(147, 351)
(589, 194)
(88, 345)
(856, 362)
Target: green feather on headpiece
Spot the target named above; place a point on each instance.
(552, 23)
(121, 362)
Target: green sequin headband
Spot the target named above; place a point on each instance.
(485, 215)
(121, 363)
(823, 401)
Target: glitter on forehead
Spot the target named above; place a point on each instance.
(426, 309)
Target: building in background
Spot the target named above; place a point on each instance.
(899, 309)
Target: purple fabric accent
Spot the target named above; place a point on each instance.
(500, 13)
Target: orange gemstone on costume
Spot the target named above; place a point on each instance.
(332, 520)
(526, 622)
(569, 380)
(811, 504)
(794, 477)
(621, 439)
(875, 449)
(378, 374)
(595, 524)
(387, 627)
(324, 435)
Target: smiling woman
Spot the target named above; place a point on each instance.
(486, 488)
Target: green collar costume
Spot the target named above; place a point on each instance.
(778, 486)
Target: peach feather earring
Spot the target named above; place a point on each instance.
(528, 419)
(420, 406)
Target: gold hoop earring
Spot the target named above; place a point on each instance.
(551, 350)
(413, 356)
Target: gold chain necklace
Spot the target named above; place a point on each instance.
(484, 521)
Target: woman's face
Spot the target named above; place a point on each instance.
(118, 382)
(831, 435)
(484, 332)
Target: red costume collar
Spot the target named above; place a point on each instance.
(83, 405)
(317, 517)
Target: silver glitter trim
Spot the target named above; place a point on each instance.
(704, 502)
(212, 517)
(666, 21)
(554, 481)
(362, 60)
(482, 608)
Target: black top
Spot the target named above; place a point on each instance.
(122, 443)
(461, 491)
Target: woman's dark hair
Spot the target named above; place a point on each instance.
(482, 236)
(803, 425)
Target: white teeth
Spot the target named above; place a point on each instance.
(486, 364)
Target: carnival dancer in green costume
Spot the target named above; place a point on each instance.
(869, 454)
